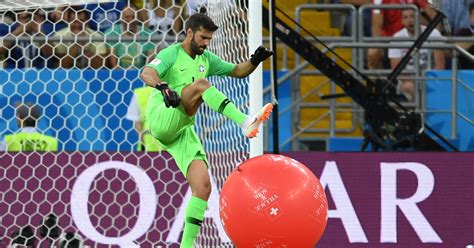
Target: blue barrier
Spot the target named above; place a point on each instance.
(94, 100)
(285, 130)
(85, 109)
(438, 97)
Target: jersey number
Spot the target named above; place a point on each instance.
(33, 145)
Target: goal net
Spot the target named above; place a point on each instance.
(75, 166)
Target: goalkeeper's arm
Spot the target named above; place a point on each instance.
(151, 78)
(245, 68)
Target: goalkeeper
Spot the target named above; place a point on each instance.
(178, 73)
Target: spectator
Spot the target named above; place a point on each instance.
(28, 138)
(165, 17)
(6, 22)
(457, 13)
(201, 6)
(234, 11)
(196, 6)
(125, 53)
(25, 51)
(105, 15)
(347, 29)
(386, 22)
(465, 63)
(80, 54)
(137, 113)
(55, 20)
(407, 87)
(142, 12)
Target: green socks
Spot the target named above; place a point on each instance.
(194, 217)
(219, 103)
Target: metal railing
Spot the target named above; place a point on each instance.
(358, 42)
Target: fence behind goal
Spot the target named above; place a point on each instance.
(97, 189)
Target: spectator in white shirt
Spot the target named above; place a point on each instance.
(407, 87)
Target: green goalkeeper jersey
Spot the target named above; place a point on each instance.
(178, 69)
(172, 127)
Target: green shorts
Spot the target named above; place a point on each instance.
(174, 129)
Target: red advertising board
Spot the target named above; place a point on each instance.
(375, 199)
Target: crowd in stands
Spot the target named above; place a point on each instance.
(390, 22)
(115, 34)
(399, 23)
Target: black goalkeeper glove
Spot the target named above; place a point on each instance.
(261, 54)
(170, 96)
